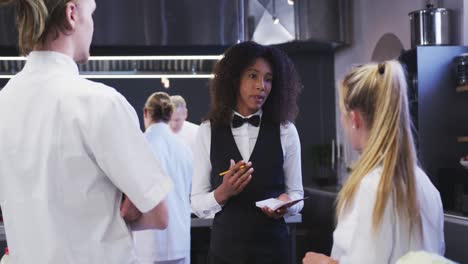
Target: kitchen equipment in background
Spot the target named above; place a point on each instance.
(173, 66)
(461, 71)
(464, 161)
(430, 26)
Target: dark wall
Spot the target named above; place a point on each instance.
(194, 91)
(136, 91)
(316, 120)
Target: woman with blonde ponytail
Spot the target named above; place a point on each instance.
(388, 206)
(71, 148)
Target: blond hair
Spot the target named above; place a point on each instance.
(378, 91)
(159, 106)
(37, 19)
(178, 101)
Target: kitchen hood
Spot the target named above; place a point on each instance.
(299, 22)
(187, 27)
(181, 27)
(146, 38)
(132, 38)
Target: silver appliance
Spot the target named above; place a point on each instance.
(430, 26)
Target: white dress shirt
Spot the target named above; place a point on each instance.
(187, 133)
(204, 203)
(354, 242)
(176, 159)
(69, 146)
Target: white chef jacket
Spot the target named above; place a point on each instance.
(354, 242)
(204, 203)
(176, 159)
(187, 133)
(68, 146)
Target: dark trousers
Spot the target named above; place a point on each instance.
(258, 255)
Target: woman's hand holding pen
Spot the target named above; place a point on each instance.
(234, 181)
(280, 212)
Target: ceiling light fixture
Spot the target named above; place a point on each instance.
(135, 76)
(165, 82)
(275, 20)
(291, 2)
(273, 16)
(107, 58)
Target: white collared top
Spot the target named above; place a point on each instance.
(69, 148)
(204, 204)
(176, 159)
(355, 242)
(188, 133)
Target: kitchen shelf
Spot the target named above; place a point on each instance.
(463, 88)
(462, 139)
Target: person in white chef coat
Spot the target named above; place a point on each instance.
(182, 128)
(172, 245)
(69, 148)
(388, 205)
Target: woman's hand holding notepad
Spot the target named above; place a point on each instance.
(275, 204)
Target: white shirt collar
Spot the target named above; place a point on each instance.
(159, 126)
(50, 59)
(259, 112)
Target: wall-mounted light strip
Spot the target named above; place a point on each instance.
(107, 58)
(135, 76)
(194, 57)
(147, 76)
(12, 58)
(197, 64)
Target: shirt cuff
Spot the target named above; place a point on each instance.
(295, 209)
(210, 207)
(154, 196)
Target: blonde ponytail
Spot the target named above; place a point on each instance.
(379, 92)
(36, 20)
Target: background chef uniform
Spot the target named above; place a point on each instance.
(69, 145)
(188, 133)
(241, 232)
(188, 130)
(173, 243)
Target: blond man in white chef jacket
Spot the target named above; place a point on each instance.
(182, 128)
(69, 148)
(172, 245)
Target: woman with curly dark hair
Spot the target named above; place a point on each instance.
(253, 107)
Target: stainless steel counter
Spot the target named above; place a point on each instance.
(207, 222)
(196, 222)
(291, 221)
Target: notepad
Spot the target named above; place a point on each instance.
(275, 204)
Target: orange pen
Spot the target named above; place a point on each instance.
(225, 172)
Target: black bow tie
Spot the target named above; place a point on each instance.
(238, 121)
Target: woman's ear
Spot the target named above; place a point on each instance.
(357, 120)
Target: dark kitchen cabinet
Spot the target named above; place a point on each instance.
(440, 117)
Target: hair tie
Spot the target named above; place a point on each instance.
(381, 68)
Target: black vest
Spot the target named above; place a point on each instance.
(241, 232)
